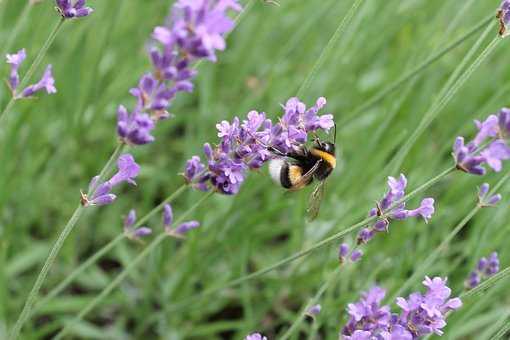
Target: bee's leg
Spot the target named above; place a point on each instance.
(277, 152)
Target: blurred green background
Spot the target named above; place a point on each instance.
(52, 146)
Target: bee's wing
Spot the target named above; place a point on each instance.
(314, 202)
(305, 179)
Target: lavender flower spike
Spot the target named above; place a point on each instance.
(101, 192)
(504, 17)
(130, 231)
(386, 210)
(485, 268)
(255, 336)
(15, 60)
(46, 83)
(68, 10)
(484, 200)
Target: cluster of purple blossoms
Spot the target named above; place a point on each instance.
(504, 17)
(488, 147)
(46, 83)
(197, 30)
(247, 145)
(255, 336)
(344, 252)
(421, 314)
(485, 268)
(68, 10)
(101, 191)
(385, 211)
(484, 200)
(182, 229)
(129, 227)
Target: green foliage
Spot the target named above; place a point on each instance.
(52, 146)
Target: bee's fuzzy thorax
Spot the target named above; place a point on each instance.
(326, 156)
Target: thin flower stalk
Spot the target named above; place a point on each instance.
(441, 103)
(48, 263)
(434, 255)
(313, 302)
(381, 95)
(346, 20)
(321, 244)
(107, 247)
(129, 268)
(33, 67)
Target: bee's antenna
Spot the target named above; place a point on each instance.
(334, 140)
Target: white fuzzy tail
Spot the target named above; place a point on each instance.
(275, 168)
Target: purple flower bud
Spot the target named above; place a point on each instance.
(130, 219)
(69, 11)
(381, 226)
(482, 264)
(494, 199)
(426, 209)
(314, 310)
(484, 189)
(186, 226)
(103, 200)
(473, 280)
(46, 83)
(482, 197)
(343, 250)
(168, 215)
(255, 336)
(356, 255)
(15, 60)
(141, 232)
(365, 235)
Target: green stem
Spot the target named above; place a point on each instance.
(422, 269)
(417, 70)
(27, 309)
(502, 332)
(74, 274)
(29, 304)
(312, 302)
(485, 285)
(435, 109)
(309, 250)
(331, 43)
(105, 249)
(34, 66)
(108, 289)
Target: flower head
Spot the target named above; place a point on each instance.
(246, 145)
(489, 147)
(255, 336)
(484, 200)
(46, 83)
(388, 208)
(129, 227)
(70, 10)
(485, 268)
(196, 30)
(15, 60)
(100, 193)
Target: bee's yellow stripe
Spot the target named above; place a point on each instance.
(295, 173)
(325, 156)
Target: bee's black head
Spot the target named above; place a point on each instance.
(325, 146)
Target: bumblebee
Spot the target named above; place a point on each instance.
(298, 169)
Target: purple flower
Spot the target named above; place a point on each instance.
(15, 60)
(129, 227)
(484, 200)
(255, 336)
(343, 251)
(367, 315)
(245, 145)
(100, 192)
(168, 215)
(426, 314)
(488, 147)
(314, 310)
(134, 128)
(185, 227)
(504, 17)
(46, 83)
(485, 268)
(68, 10)
(385, 210)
